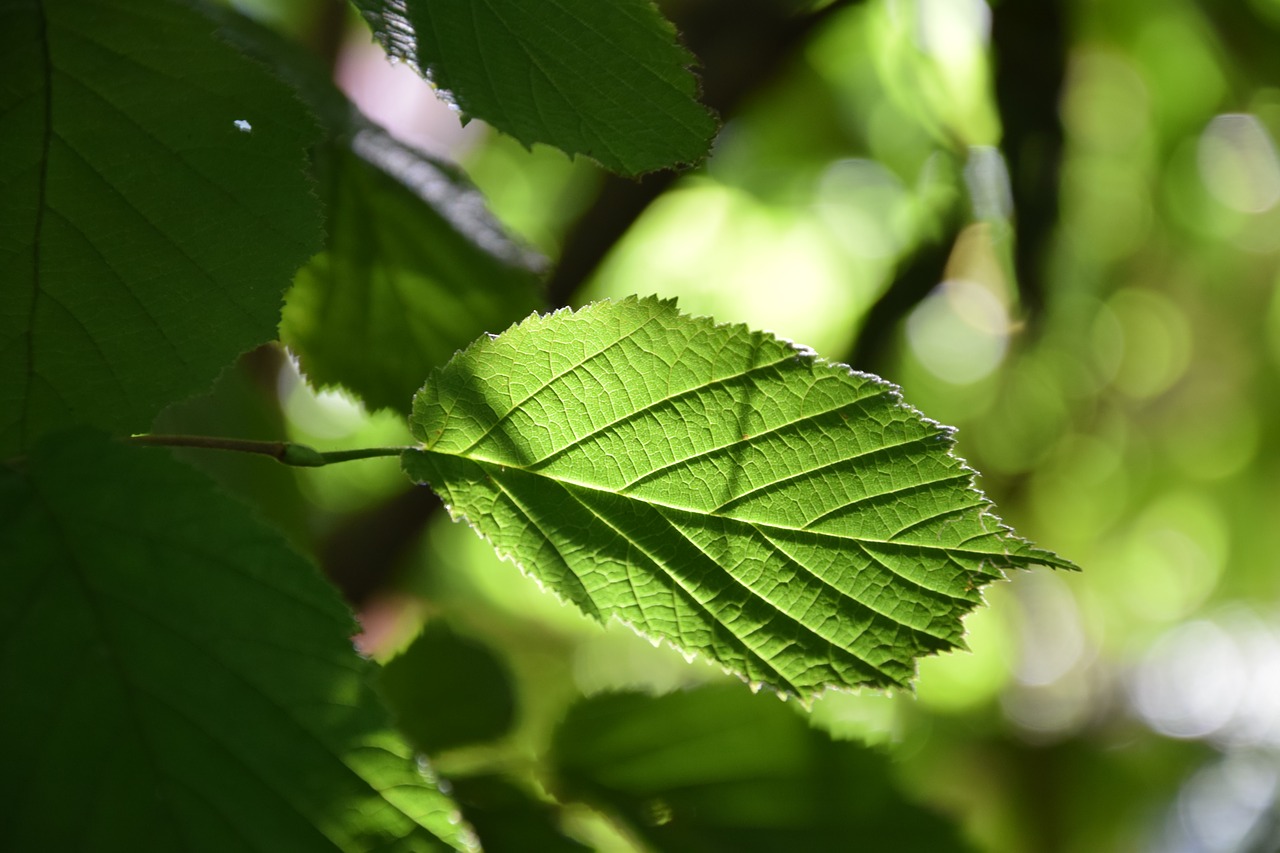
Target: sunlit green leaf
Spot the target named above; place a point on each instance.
(718, 488)
(153, 207)
(176, 678)
(608, 80)
(717, 769)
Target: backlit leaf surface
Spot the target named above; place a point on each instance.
(607, 80)
(153, 208)
(718, 488)
(175, 677)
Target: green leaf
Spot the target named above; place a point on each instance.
(146, 235)
(244, 401)
(415, 266)
(176, 678)
(718, 488)
(509, 819)
(415, 270)
(718, 769)
(608, 80)
(448, 691)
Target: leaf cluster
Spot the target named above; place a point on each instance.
(181, 185)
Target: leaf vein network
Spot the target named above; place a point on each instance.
(661, 566)
(516, 405)
(646, 409)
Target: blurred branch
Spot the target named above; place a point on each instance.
(367, 548)
(1029, 41)
(1030, 45)
(1247, 38)
(915, 280)
(329, 28)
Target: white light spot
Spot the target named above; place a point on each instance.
(243, 126)
(987, 176)
(1223, 807)
(960, 332)
(954, 32)
(1239, 164)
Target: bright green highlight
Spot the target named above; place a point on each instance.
(717, 488)
(608, 80)
(187, 681)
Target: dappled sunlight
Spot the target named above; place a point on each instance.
(1054, 641)
(1175, 554)
(938, 49)
(725, 255)
(1238, 163)
(1155, 342)
(959, 333)
(1214, 678)
(335, 419)
(1055, 683)
(866, 208)
(964, 681)
(1226, 806)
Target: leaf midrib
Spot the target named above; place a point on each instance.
(37, 239)
(502, 466)
(661, 566)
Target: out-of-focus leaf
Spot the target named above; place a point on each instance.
(176, 678)
(607, 80)
(718, 769)
(415, 270)
(153, 207)
(718, 488)
(448, 691)
(415, 267)
(508, 819)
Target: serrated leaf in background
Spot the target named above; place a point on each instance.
(415, 270)
(175, 677)
(447, 691)
(415, 266)
(608, 80)
(718, 488)
(718, 769)
(153, 207)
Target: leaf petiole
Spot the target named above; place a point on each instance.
(286, 452)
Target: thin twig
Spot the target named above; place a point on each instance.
(285, 452)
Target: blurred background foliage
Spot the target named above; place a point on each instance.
(1056, 224)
